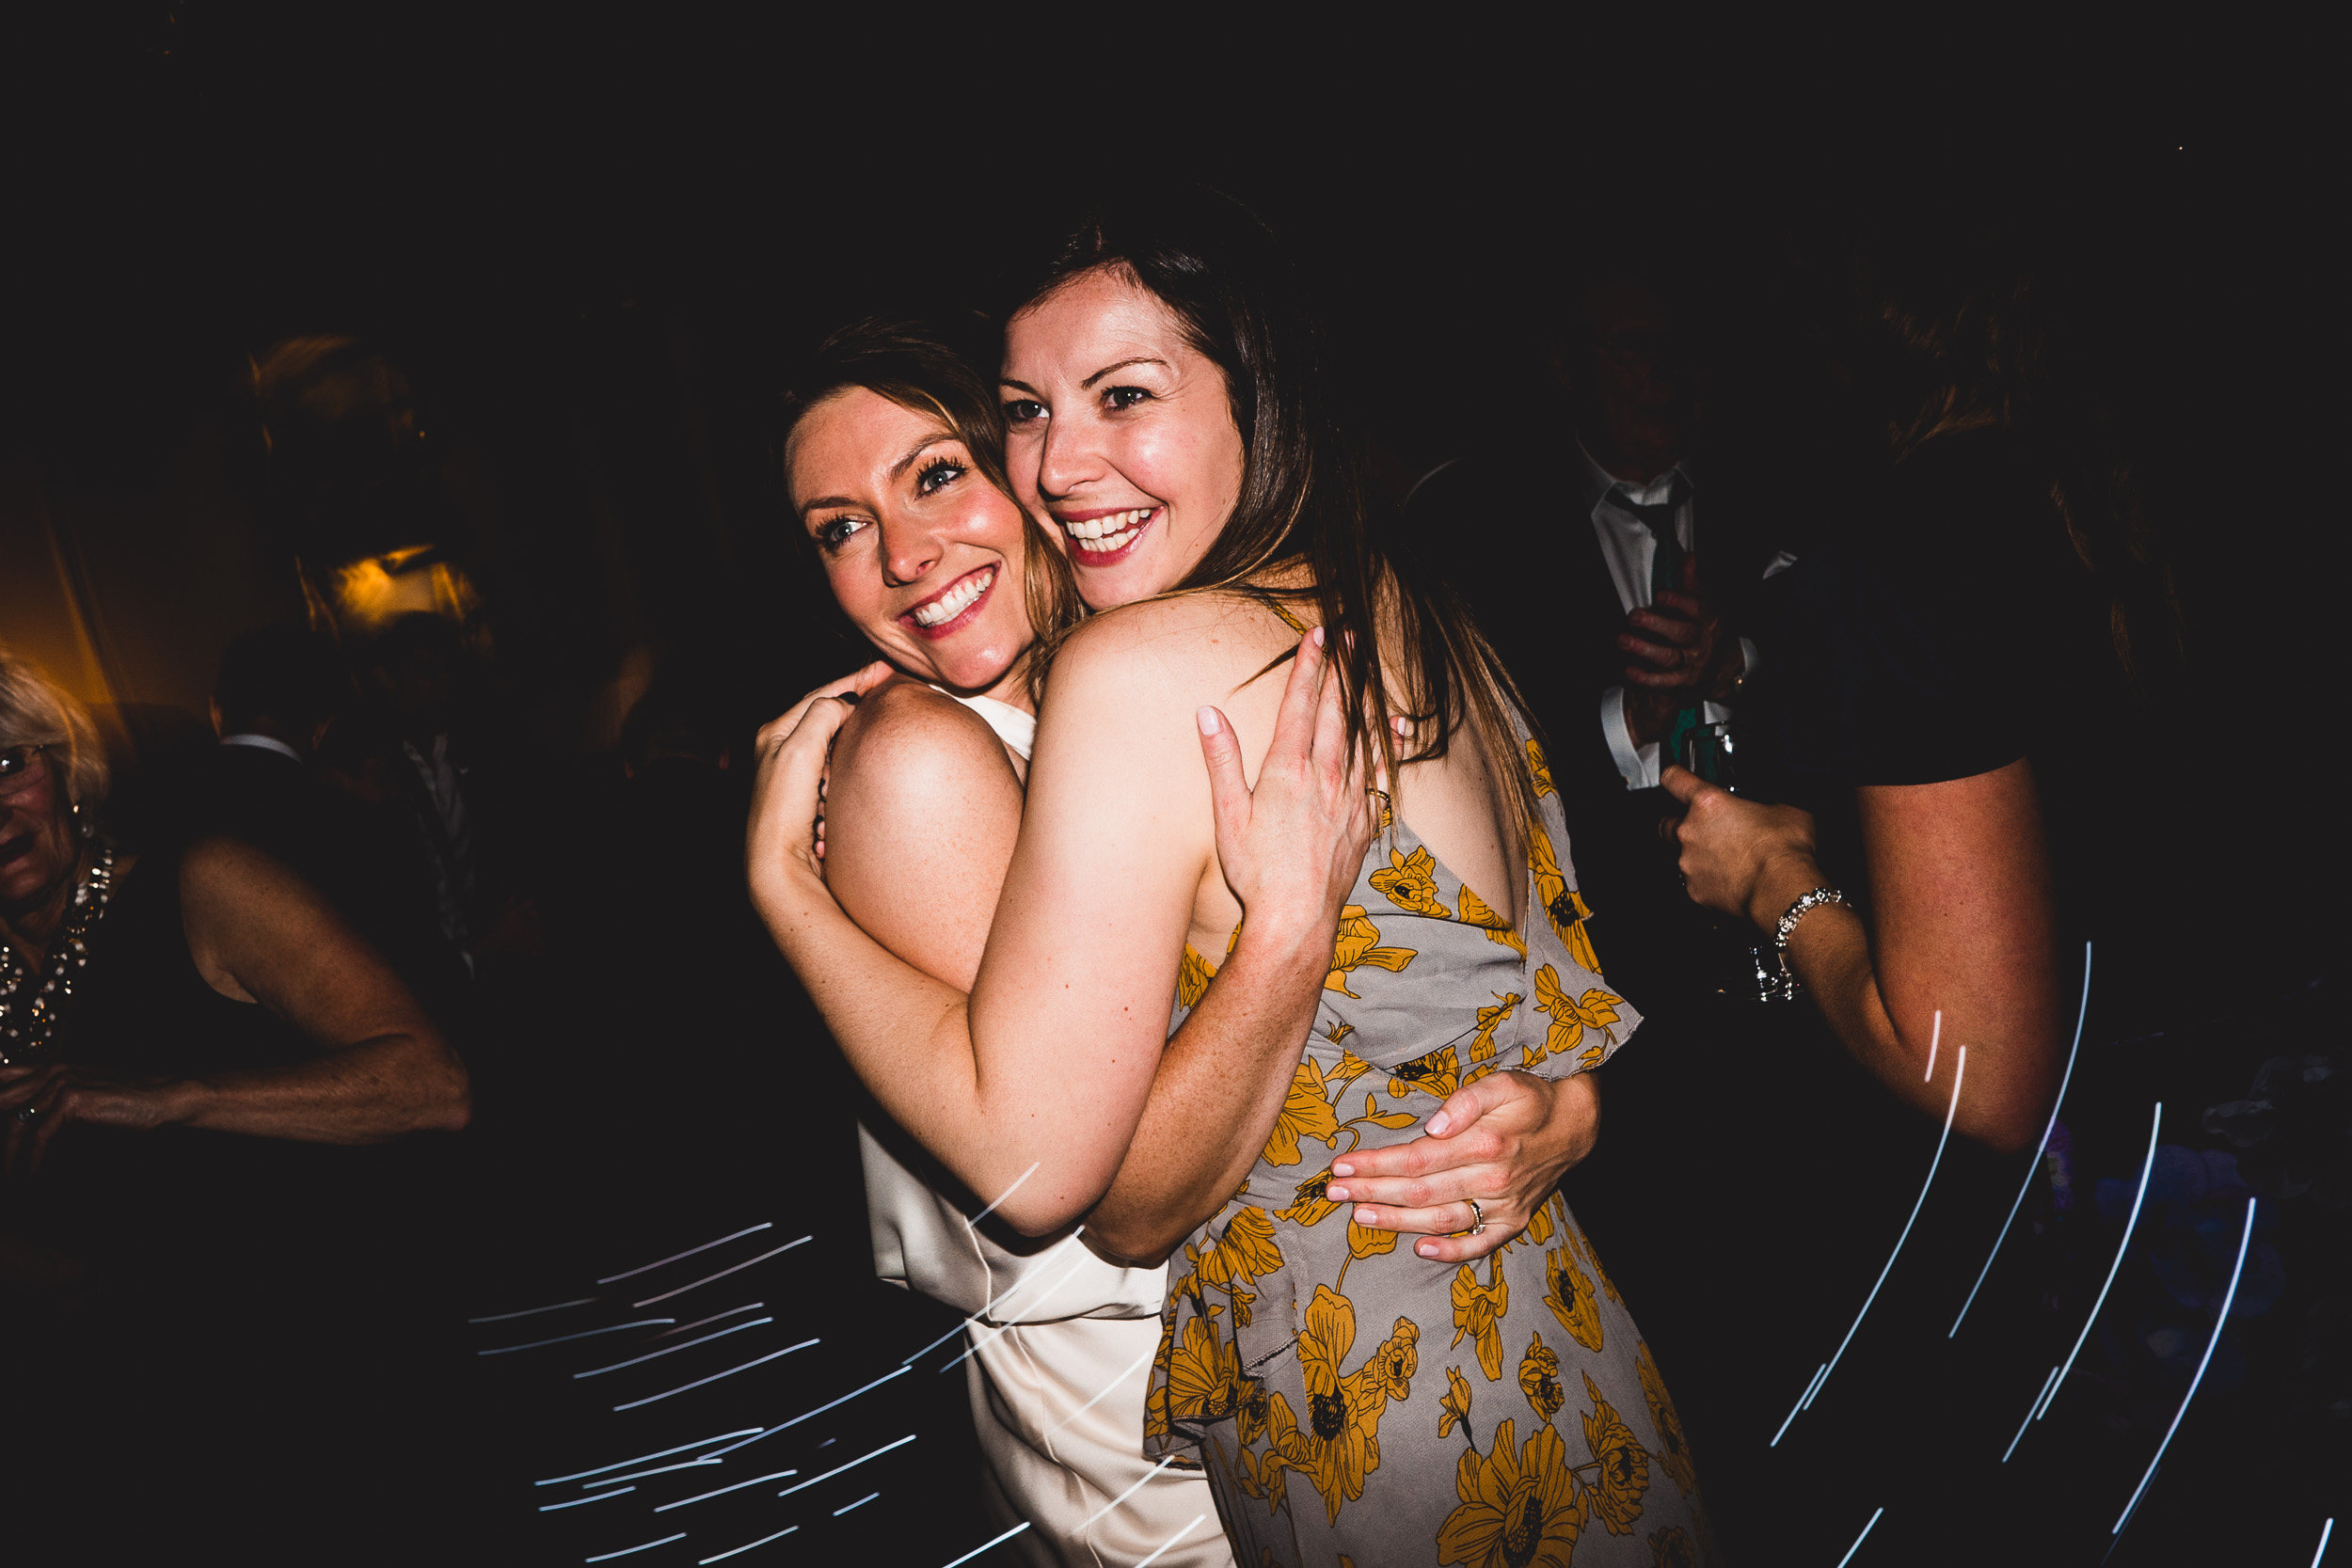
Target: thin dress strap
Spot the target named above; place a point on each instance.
(1016, 729)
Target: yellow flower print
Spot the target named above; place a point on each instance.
(1672, 1547)
(1616, 1491)
(1571, 1296)
(1390, 1370)
(1518, 1510)
(1478, 1311)
(1539, 1379)
(1313, 1205)
(1571, 1017)
(1456, 1406)
(1411, 882)
(1267, 1480)
(1474, 911)
(1351, 1067)
(1306, 1113)
(1608, 1286)
(1539, 1225)
(1341, 1442)
(1203, 1373)
(1193, 976)
(1674, 1449)
(1563, 905)
(1248, 1246)
(1155, 1393)
(1436, 1074)
(1365, 1244)
(1482, 1041)
(1356, 945)
(1540, 769)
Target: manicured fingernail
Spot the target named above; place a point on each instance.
(1364, 1216)
(1336, 1194)
(1341, 1167)
(1315, 637)
(1208, 720)
(1438, 1123)
(1427, 1249)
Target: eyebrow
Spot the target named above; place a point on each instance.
(896, 469)
(1088, 384)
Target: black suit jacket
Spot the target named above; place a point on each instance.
(1524, 555)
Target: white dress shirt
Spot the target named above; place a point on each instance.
(263, 743)
(1630, 551)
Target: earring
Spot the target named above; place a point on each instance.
(89, 829)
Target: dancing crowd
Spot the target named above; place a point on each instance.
(1285, 920)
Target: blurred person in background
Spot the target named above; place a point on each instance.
(177, 1027)
(282, 690)
(1613, 566)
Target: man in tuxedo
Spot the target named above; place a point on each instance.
(1609, 564)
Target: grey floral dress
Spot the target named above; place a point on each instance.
(1356, 1404)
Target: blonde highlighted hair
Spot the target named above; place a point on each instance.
(37, 711)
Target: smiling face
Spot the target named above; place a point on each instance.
(1121, 432)
(921, 550)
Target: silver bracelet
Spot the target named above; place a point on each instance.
(1796, 911)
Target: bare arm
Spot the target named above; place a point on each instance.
(1042, 1074)
(259, 933)
(1964, 920)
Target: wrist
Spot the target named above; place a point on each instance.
(1785, 877)
(184, 1102)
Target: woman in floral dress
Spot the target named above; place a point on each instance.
(1162, 409)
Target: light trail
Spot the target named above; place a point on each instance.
(1001, 1196)
(796, 1420)
(973, 1349)
(722, 1491)
(853, 1464)
(1860, 1539)
(714, 1377)
(991, 1309)
(1171, 1542)
(689, 1328)
(591, 1497)
(2040, 1149)
(648, 1268)
(657, 1470)
(629, 1551)
(2220, 1321)
(747, 1546)
(682, 1447)
(977, 1550)
(859, 1503)
(1107, 1388)
(721, 1274)
(534, 1311)
(1130, 1492)
(2058, 1374)
(584, 1334)
(672, 1350)
(1959, 1072)
(2325, 1531)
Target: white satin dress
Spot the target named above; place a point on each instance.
(1062, 1345)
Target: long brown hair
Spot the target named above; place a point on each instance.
(1305, 495)
(927, 369)
(1956, 336)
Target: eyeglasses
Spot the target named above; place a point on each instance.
(16, 766)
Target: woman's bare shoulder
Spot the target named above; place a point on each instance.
(908, 741)
(1212, 635)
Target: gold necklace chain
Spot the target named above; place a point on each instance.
(26, 1027)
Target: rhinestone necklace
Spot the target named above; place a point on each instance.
(26, 1026)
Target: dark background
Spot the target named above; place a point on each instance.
(593, 246)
